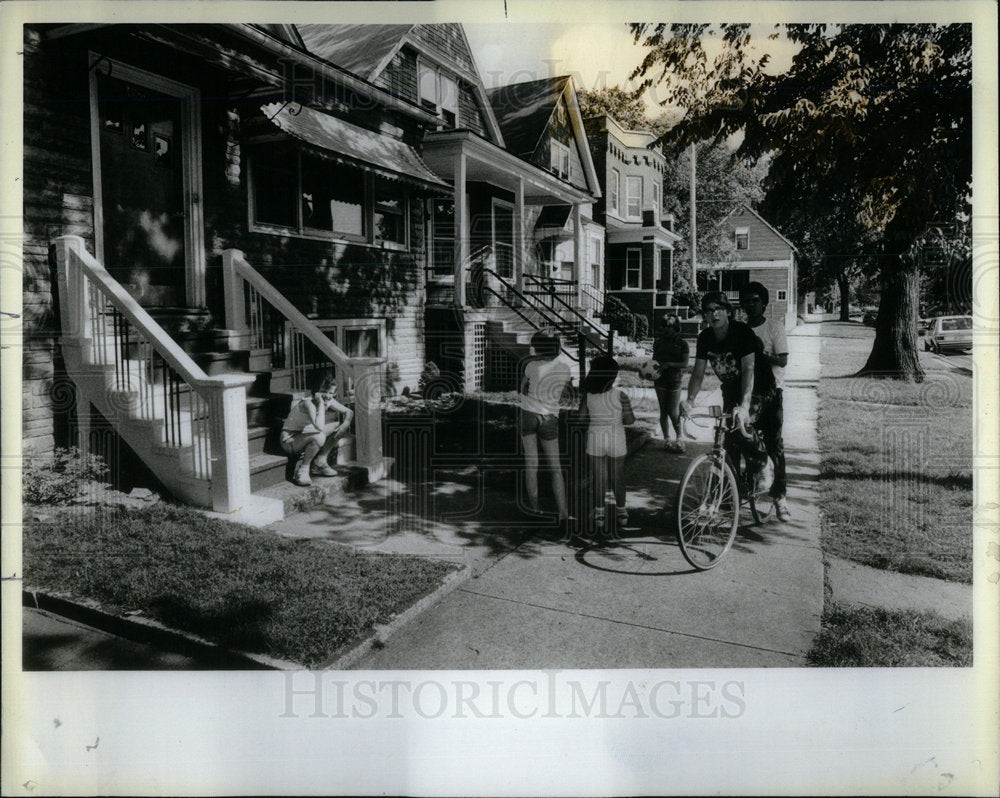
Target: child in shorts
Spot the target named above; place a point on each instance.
(307, 432)
(608, 412)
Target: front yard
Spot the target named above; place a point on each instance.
(306, 601)
(895, 494)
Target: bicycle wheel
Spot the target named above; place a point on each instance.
(708, 505)
(761, 502)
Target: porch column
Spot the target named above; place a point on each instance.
(579, 252)
(519, 251)
(461, 225)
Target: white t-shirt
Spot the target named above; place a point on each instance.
(772, 335)
(546, 380)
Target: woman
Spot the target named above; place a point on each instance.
(671, 352)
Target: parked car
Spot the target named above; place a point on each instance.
(870, 315)
(948, 332)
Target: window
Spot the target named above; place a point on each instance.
(443, 237)
(613, 191)
(743, 238)
(782, 295)
(595, 251)
(503, 237)
(438, 92)
(559, 159)
(358, 338)
(656, 197)
(633, 197)
(294, 190)
(633, 268)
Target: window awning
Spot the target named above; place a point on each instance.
(347, 143)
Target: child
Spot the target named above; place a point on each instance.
(545, 379)
(608, 411)
(308, 433)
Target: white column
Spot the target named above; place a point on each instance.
(232, 283)
(579, 252)
(227, 402)
(461, 236)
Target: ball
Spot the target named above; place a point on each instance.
(650, 370)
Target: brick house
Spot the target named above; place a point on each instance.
(760, 254)
(639, 247)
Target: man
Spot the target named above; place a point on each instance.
(754, 298)
(747, 380)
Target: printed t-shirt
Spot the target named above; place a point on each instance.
(725, 357)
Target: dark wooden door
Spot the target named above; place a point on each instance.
(142, 190)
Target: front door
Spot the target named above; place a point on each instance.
(144, 180)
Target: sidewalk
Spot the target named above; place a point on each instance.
(639, 605)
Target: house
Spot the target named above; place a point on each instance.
(214, 214)
(639, 239)
(760, 254)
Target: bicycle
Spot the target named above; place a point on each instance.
(711, 495)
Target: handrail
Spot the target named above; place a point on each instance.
(305, 325)
(596, 296)
(165, 346)
(582, 319)
(545, 312)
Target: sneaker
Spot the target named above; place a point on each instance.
(301, 477)
(323, 470)
(675, 446)
(781, 508)
(598, 523)
(621, 516)
(765, 477)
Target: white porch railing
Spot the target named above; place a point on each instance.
(264, 319)
(190, 428)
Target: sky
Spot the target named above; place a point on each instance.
(597, 55)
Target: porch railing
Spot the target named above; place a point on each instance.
(593, 300)
(145, 375)
(553, 292)
(263, 318)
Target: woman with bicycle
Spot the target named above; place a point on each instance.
(747, 380)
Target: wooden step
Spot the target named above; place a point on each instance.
(267, 470)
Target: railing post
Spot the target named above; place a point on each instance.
(232, 286)
(227, 403)
(368, 414)
(74, 301)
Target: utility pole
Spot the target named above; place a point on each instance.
(694, 222)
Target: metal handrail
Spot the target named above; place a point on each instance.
(559, 321)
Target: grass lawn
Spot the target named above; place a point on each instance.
(299, 600)
(896, 474)
(862, 637)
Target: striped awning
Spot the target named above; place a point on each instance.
(342, 141)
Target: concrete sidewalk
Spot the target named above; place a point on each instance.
(636, 605)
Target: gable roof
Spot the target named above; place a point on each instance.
(523, 111)
(361, 49)
(762, 220)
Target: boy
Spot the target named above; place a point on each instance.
(306, 431)
(754, 298)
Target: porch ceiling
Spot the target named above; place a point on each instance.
(487, 163)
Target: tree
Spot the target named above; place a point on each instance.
(723, 183)
(870, 134)
(626, 107)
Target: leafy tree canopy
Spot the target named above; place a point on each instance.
(626, 107)
(869, 131)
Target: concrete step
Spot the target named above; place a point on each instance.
(267, 470)
(258, 438)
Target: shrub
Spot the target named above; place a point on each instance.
(61, 477)
(428, 376)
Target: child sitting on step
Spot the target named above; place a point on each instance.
(309, 433)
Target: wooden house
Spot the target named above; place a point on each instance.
(760, 254)
(215, 214)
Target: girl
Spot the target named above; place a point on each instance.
(608, 411)
(545, 379)
(307, 432)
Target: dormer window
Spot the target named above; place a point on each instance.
(438, 93)
(559, 159)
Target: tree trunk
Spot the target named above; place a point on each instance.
(894, 353)
(845, 297)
